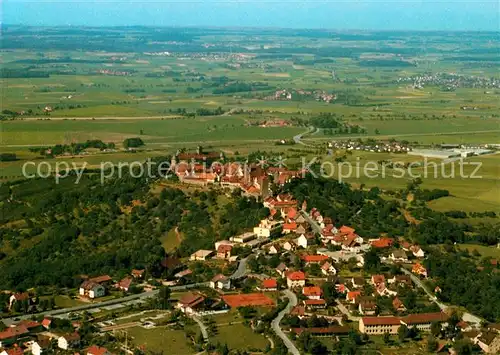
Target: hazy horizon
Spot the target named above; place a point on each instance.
(424, 15)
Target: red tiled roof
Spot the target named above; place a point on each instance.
(311, 291)
(292, 213)
(346, 229)
(314, 258)
(21, 296)
(353, 295)
(290, 226)
(15, 351)
(97, 350)
(13, 332)
(377, 279)
(381, 320)
(191, 299)
(137, 273)
(425, 318)
(218, 277)
(46, 322)
(29, 324)
(125, 283)
(224, 248)
(382, 243)
(100, 279)
(298, 311)
(296, 275)
(269, 283)
(314, 302)
(337, 329)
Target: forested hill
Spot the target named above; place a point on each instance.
(371, 213)
(52, 234)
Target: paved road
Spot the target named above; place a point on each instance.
(275, 324)
(203, 328)
(345, 311)
(241, 270)
(314, 225)
(118, 301)
(467, 317)
(298, 138)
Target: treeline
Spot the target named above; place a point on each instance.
(73, 148)
(386, 63)
(8, 157)
(7, 73)
(465, 284)
(241, 87)
(326, 120)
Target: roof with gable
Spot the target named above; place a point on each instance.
(346, 230)
(191, 299)
(269, 283)
(292, 213)
(397, 303)
(311, 291)
(352, 295)
(382, 243)
(377, 279)
(421, 318)
(100, 279)
(281, 267)
(125, 283)
(298, 311)
(290, 226)
(13, 332)
(219, 277)
(313, 302)
(21, 296)
(137, 272)
(224, 248)
(314, 258)
(15, 351)
(97, 350)
(296, 276)
(381, 321)
(46, 322)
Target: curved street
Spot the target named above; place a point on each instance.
(275, 324)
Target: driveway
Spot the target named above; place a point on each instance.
(275, 324)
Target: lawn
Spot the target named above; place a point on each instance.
(161, 339)
(170, 241)
(485, 251)
(239, 336)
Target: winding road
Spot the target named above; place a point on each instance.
(275, 324)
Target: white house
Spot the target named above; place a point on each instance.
(92, 289)
(328, 269)
(68, 341)
(399, 256)
(201, 255)
(417, 251)
(40, 346)
(289, 246)
(263, 229)
(220, 282)
(295, 279)
(274, 249)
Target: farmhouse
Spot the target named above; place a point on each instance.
(295, 279)
(190, 302)
(68, 341)
(220, 282)
(312, 292)
(92, 289)
(201, 255)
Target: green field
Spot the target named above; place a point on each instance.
(161, 339)
(485, 251)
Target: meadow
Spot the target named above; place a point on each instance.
(132, 84)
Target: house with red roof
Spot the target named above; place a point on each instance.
(314, 259)
(268, 285)
(328, 269)
(137, 273)
(312, 292)
(224, 251)
(352, 296)
(295, 279)
(68, 341)
(18, 297)
(314, 304)
(419, 270)
(11, 334)
(97, 350)
(378, 279)
(289, 227)
(346, 230)
(124, 284)
(190, 302)
(398, 305)
(16, 350)
(382, 243)
(220, 282)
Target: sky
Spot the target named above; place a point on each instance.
(325, 14)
